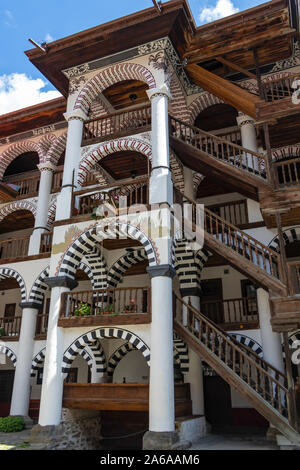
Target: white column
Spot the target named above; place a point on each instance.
(189, 190)
(41, 219)
(73, 150)
(21, 388)
(52, 388)
(271, 342)
(248, 135)
(161, 388)
(160, 186)
(195, 375)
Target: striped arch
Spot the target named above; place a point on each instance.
(117, 270)
(111, 75)
(290, 235)
(17, 149)
(39, 287)
(178, 106)
(94, 336)
(197, 180)
(87, 241)
(250, 343)
(87, 164)
(286, 152)
(5, 273)
(293, 337)
(57, 148)
(117, 356)
(98, 268)
(205, 100)
(189, 264)
(9, 353)
(181, 354)
(17, 206)
(46, 142)
(51, 215)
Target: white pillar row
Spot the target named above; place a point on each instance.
(52, 387)
(41, 219)
(248, 136)
(73, 151)
(195, 375)
(161, 432)
(21, 388)
(160, 185)
(271, 342)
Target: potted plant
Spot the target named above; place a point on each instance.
(131, 308)
(82, 311)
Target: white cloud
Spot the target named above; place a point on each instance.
(49, 38)
(220, 10)
(17, 91)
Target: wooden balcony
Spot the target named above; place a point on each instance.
(10, 328)
(233, 314)
(122, 123)
(105, 307)
(287, 173)
(27, 184)
(14, 248)
(121, 397)
(86, 201)
(41, 326)
(234, 212)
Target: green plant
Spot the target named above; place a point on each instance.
(2, 332)
(12, 424)
(82, 311)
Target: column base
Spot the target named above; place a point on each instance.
(163, 441)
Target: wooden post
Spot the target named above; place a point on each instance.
(285, 270)
(292, 410)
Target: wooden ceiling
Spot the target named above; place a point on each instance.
(210, 186)
(285, 131)
(126, 93)
(9, 283)
(121, 164)
(18, 220)
(216, 117)
(26, 119)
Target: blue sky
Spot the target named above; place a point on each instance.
(21, 84)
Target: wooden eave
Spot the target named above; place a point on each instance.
(113, 37)
(236, 35)
(32, 117)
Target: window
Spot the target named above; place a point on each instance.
(10, 311)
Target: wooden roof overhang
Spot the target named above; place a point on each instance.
(269, 28)
(32, 117)
(113, 37)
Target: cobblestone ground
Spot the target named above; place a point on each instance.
(234, 442)
(15, 440)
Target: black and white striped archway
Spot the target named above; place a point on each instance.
(87, 241)
(9, 353)
(289, 235)
(117, 270)
(249, 342)
(188, 265)
(6, 273)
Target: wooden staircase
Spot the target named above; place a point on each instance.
(246, 254)
(246, 171)
(261, 384)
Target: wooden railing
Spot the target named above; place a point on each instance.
(287, 172)
(41, 325)
(14, 248)
(264, 379)
(294, 276)
(119, 124)
(57, 181)
(220, 149)
(232, 312)
(28, 186)
(131, 300)
(235, 212)
(46, 242)
(234, 238)
(85, 201)
(233, 135)
(10, 327)
(279, 88)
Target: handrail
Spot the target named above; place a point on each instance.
(14, 247)
(288, 172)
(127, 110)
(231, 311)
(10, 326)
(278, 88)
(257, 373)
(238, 240)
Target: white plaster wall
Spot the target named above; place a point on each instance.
(133, 367)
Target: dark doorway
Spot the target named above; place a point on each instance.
(212, 300)
(6, 387)
(217, 400)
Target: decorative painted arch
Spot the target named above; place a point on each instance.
(14, 150)
(117, 356)
(97, 267)
(87, 241)
(17, 206)
(46, 142)
(6, 273)
(127, 143)
(51, 215)
(205, 100)
(286, 152)
(290, 235)
(117, 270)
(250, 343)
(178, 106)
(189, 264)
(110, 76)
(9, 353)
(98, 334)
(57, 148)
(182, 354)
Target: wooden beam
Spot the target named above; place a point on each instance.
(234, 66)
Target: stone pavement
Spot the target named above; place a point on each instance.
(234, 442)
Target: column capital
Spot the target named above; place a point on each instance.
(165, 270)
(33, 305)
(243, 119)
(163, 90)
(190, 292)
(76, 114)
(61, 281)
(47, 166)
